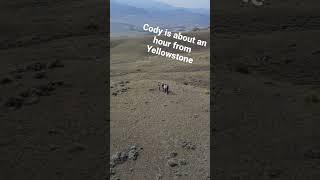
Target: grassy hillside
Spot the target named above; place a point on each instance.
(161, 124)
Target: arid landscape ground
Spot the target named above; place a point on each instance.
(169, 134)
(267, 90)
(53, 103)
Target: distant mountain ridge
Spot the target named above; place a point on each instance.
(145, 4)
(137, 13)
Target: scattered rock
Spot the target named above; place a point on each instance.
(92, 27)
(183, 162)
(115, 178)
(172, 162)
(178, 173)
(31, 96)
(127, 82)
(312, 97)
(287, 61)
(17, 76)
(83, 92)
(158, 177)
(14, 102)
(237, 90)
(40, 75)
(18, 70)
(236, 177)
(118, 158)
(53, 131)
(277, 94)
(188, 145)
(56, 64)
(57, 83)
(25, 94)
(6, 80)
(268, 82)
(131, 169)
(312, 154)
(172, 155)
(275, 173)
(242, 68)
(44, 90)
(124, 89)
(36, 66)
(53, 147)
(112, 171)
(316, 52)
(121, 157)
(31, 100)
(133, 153)
(76, 147)
(265, 58)
(293, 45)
(112, 164)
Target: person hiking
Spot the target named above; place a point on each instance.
(167, 89)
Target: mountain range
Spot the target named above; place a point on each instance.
(129, 16)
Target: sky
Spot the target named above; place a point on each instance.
(188, 3)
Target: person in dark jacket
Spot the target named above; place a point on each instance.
(166, 88)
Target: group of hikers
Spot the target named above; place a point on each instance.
(163, 87)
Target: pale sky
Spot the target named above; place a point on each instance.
(188, 3)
